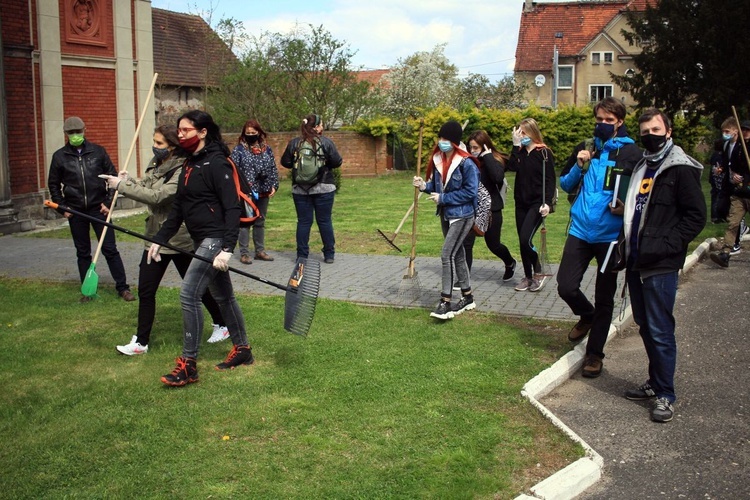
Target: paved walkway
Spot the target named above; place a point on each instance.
(703, 453)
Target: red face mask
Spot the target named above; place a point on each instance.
(190, 144)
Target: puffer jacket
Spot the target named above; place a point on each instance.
(674, 215)
(591, 219)
(157, 189)
(73, 178)
(207, 200)
(458, 191)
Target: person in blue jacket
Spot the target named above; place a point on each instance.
(452, 183)
(595, 224)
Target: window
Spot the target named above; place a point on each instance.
(598, 57)
(565, 77)
(599, 92)
(629, 72)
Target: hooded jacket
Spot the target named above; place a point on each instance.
(157, 189)
(674, 215)
(207, 200)
(73, 177)
(458, 191)
(591, 219)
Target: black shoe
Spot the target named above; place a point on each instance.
(328, 260)
(510, 271)
(721, 258)
(579, 331)
(239, 355)
(456, 286)
(184, 373)
(442, 311)
(662, 411)
(641, 393)
(465, 304)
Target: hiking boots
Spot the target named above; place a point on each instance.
(442, 311)
(537, 283)
(578, 332)
(592, 366)
(220, 333)
(184, 373)
(510, 271)
(721, 258)
(641, 393)
(662, 410)
(523, 285)
(465, 304)
(133, 348)
(239, 355)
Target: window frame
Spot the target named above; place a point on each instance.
(572, 75)
(600, 86)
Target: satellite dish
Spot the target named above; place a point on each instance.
(539, 80)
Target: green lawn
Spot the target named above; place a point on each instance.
(415, 410)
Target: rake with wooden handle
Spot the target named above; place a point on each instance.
(392, 240)
(410, 287)
(91, 280)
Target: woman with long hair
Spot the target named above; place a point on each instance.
(208, 204)
(534, 165)
(492, 165)
(452, 183)
(255, 161)
(313, 197)
(157, 190)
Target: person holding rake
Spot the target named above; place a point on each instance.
(452, 183)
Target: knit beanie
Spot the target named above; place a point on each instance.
(452, 131)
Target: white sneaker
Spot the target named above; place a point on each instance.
(220, 333)
(132, 348)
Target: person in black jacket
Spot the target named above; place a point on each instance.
(492, 175)
(315, 198)
(208, 204)
(664, 211)
(73, 182)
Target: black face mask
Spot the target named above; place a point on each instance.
(653, 143)
(252, 139)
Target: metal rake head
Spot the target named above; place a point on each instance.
(301, 296)
(389, 241)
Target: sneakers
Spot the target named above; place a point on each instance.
(443, 311)
(592, 366)
(184, 373)
(220, 333)
(133, 348)
(736, 249)
(465, 304)
(721, 258)
(456, 287)
(641, 393)
(523, 285)
(510, 271)
(579, 331)
(537, 283)
(239, 355)
(662, 410)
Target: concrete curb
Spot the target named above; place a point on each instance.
(571, 481)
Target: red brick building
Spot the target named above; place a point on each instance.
(89, 58)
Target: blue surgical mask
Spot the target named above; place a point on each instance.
(445, 146)
(525, 141)
(604, 131)
(726, 137)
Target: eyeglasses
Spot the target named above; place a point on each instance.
(185, 130)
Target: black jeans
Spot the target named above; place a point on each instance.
(576, 257)
(491, 239)
(149, 278)
(80, 229)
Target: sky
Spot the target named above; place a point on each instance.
(480, 35)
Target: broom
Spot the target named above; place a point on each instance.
(91, 280)
(410, 287)
(301, 289)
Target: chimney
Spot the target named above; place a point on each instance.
(528, 5)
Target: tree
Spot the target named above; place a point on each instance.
(693, 57)
(477, 91)
(283, 77)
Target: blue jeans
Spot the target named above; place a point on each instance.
(321, 206)
(652, 300)
(199, 277)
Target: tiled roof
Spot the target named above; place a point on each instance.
(372, 76)
(185, 47)
(577, 22)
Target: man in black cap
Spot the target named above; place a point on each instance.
(735, 160)
(73, 182)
